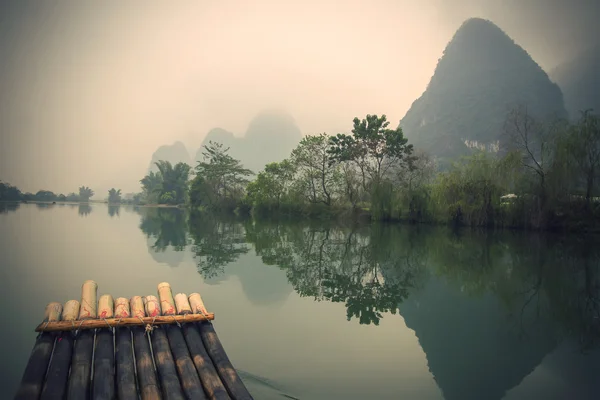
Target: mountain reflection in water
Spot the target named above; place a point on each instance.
(487, 308)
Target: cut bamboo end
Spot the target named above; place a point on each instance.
(152, 306)
(53, 312)
(122, 307)
(197, 304)
(137, 307)
(88, 305)
(109, 312)
(182, 304)
(167, 304)
(70, 310)
(105, 306)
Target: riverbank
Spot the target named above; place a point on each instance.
(76, 203)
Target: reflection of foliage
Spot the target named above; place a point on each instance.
(338, 265)
(84, 209)
(534, 275)
(217, 242)
(166, 225)
(5, 208)
(113, 210)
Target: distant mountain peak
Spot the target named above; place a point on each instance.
(173, 153)
(480, 76)
(580, 81)
(271, 136)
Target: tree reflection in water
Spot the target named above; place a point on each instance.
(488, 304)
(217, 242)
(5, 208)
(167, 226)
(374, 269)
(113, 210)
(84, 209)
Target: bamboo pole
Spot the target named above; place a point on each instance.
(103, 384)
(33, 377)
(182, 304)
(58, 373)
(88, 300)
(137, 307)
(81, 363)
(147, 380)
(152, 306)
(196, 304)
(105, 306)
(206, 370)
(119, 322)
(188, 375)
(71, 310)
(167, 304)
(229, 376)
(122, 308)
(162, 353)
(124, 364)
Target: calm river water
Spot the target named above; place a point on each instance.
(317, 311)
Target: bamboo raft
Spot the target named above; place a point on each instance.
(144, 347)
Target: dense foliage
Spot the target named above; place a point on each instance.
(545, 177)
(167, 186)
(114, 195)
(9, 192)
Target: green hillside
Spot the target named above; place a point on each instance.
(482, 74)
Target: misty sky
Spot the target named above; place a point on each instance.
(88, 90)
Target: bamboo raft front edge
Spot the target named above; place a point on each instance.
(144, 347)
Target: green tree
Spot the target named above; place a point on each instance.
(414, 181)
(114, 195)
(321, 180)
(45, 195)
(583, 143)
(470, 193)
(72, 197)
(220, 179)
(536, 142)
(152, 186)
(174, 185)
(9, 192)
(85, 193)
(372, 147)
(272, 185)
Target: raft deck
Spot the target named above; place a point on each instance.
(144, 347)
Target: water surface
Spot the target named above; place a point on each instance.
(321, 311)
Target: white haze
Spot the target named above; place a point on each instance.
(88, 90)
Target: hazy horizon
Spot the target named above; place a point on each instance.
(90, 90)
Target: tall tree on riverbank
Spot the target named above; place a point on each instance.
(583, 144)
(151, 186)
(220, 179)
(9, 192)
(85, 193)
(372, 147)
(167, 186)
(174, 184)
(271, 186)
(114, 196)
(320, 178)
